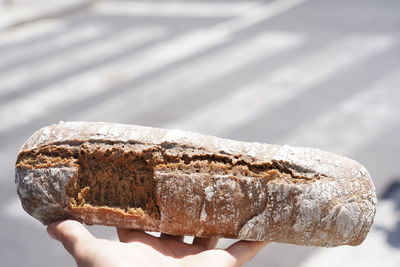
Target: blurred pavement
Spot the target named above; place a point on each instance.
(323, 74)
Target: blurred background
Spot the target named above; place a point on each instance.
(324, 74)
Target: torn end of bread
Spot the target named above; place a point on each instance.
(188, 184)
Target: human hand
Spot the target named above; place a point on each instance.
(137, 248)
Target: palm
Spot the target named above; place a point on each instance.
(140, 249)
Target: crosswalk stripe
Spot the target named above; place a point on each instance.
(186, 78)
(102, 79)
(355, 121)
(23, 33)
(253, 16)
(280, 85)
(219, 33)
(28, 74)
(17, 12)
(8, 17)
(97, 80)
(173, 8)
(203, 39)
(76, 87)
(59, 41)
(258, 14)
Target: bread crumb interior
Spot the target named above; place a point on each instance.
(115, 178)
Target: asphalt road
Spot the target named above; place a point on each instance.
(323, 74)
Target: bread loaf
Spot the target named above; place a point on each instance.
(184, 183)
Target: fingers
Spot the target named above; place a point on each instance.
(207, 243)
(73, 235)
(130, 235)
(171, 237)
(243, 251)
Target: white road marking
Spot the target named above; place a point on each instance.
(24, 33)
(59, 41)
(354, 122)
(372, 252)
(105, 77)
(252, 17)
(214, 36)
(18, 12)
(28, 74)
(174, 8)
(186, 78)
(279, 86)
(82, 85)
(9, 16)
(258, 14)
(203, 39)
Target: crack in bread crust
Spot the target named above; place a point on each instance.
(63, 154)
(121, 176)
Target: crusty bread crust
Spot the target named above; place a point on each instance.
(204, 186)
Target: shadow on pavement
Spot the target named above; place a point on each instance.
(392, 193)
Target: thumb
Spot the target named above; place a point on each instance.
(74, 236)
